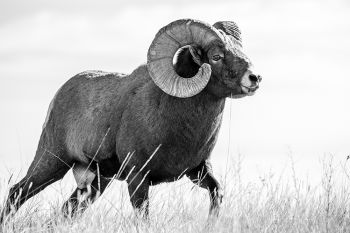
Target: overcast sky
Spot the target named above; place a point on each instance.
(301, 48)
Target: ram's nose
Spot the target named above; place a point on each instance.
(250, 81)
(255, 78)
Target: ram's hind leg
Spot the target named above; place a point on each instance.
(90, 187)
(46, 168)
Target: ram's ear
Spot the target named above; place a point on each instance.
(196, 55)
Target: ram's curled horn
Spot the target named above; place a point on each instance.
(232, 37)
(230, 28)
(163, 48)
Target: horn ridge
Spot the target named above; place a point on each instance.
(230, 28)
(166, 43)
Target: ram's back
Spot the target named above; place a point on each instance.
(85, 113)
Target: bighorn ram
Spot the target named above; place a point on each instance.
(154, 125)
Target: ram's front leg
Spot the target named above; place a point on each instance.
(203, 176)
(138, 186)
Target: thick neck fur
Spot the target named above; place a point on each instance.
(192, 120)
(191, 124)
(187, 124)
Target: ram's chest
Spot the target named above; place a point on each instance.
(188, 142)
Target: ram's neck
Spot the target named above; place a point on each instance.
(196, 112)
(187, 126)
(190, 125)
(197, 106)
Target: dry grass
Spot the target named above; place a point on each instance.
(272, 204)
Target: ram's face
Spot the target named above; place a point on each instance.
(232, 74)
(217, 50)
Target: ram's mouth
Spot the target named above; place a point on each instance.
(249, 90)
(245, 91)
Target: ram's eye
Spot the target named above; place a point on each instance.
(216, 57)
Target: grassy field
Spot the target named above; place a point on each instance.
(274, 203)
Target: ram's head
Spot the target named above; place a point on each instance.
(216, 50)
